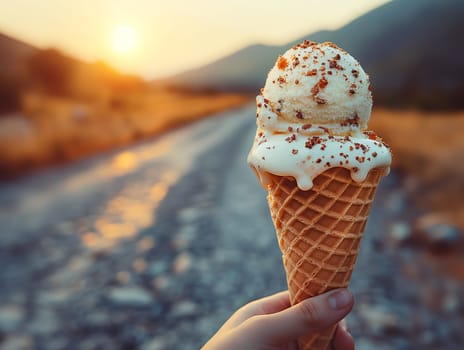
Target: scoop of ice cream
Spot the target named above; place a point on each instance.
(312, 115)
(319, 84)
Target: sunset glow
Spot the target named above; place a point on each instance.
(161, 38)
(125, 39)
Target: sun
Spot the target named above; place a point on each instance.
(125, 39)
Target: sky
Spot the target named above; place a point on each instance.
(158, 38)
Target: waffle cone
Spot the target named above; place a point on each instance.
(319, 232)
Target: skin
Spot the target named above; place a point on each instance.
(271, 323)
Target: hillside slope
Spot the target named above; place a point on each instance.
(411, 49)
(13, 54)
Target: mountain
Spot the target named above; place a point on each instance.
(412, 50)
(25, 68)
(13, 55)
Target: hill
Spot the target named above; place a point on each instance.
(411, 49)
(13, 55)
(24, 67)
(55, 108)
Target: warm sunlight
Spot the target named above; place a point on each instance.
(125, 39)
(160, 38)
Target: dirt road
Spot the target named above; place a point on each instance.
(153, 246)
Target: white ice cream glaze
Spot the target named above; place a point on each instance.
(280, 148)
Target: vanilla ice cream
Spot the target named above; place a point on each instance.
(312, 115)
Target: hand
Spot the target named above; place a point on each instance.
(271, 323)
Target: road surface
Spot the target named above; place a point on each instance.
(154, 245)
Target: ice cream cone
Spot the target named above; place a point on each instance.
(312, 125)
(319, 233)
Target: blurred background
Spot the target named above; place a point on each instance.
(129, 218)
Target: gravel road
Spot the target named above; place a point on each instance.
(153, 246)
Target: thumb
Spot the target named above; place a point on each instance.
(304, 319)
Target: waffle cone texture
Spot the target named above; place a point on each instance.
(319, 233)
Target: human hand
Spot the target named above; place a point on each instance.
(272, 323)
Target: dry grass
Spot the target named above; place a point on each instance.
(53, 130)
(429, 149)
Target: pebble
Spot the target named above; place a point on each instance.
(400, 232)
(367, 344)
(161, 283)
(17, 342)
(44, 322)
(97, 318)
(450, 302)
(57, 343)
(184, 308)
(427, 337)
(377, 317)
(157, 343)
(97, 341)
(179, 243)
(65, 228)
(187, 233)
(139, 265)
(130, 296)
(10, 317)
(182, 263)
(158, 267)
(145, 244)
(443, 235)
(71, 271)
(189, 215)
(438, 234)
(395, 202)
(123, 277)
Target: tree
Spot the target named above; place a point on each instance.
(11, 86)
(52, 71)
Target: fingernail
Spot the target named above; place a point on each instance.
(340, 299)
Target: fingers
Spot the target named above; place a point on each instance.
(305, 318)
(267, 305)
(342, 339)
(272, 304)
